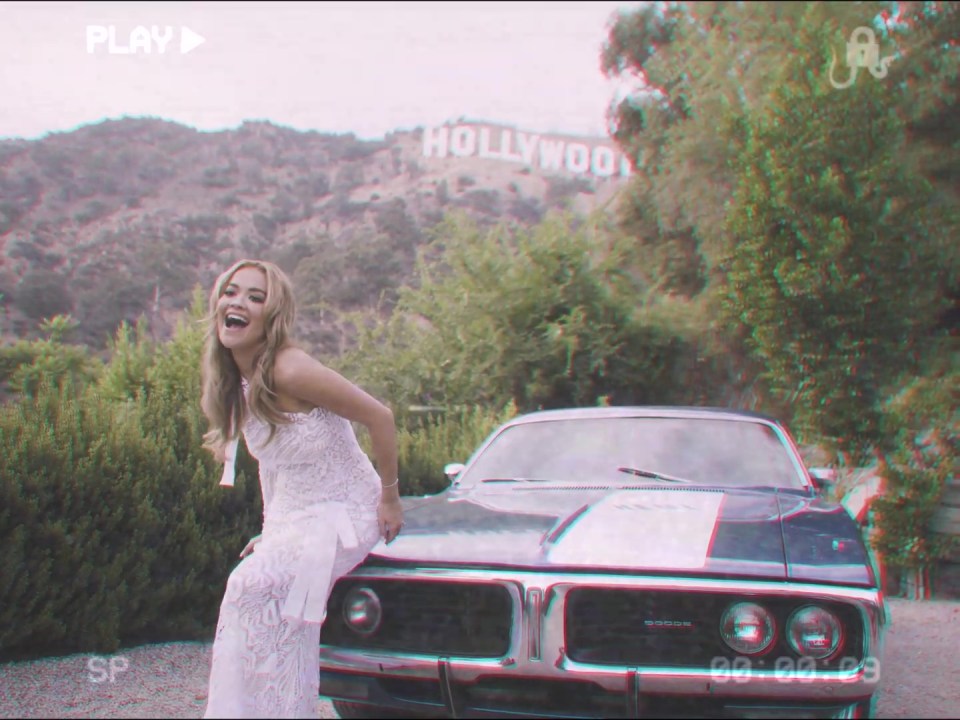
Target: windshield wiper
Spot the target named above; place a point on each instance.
(800, 492)
(512, 480)
(654, 475)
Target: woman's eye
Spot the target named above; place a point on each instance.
(256, 299)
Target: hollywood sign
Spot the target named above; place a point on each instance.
(495, 143)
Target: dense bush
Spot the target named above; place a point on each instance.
(426, 443)
(562, 190)
(77, 528)
(545, 317)
(114, 528)
(921, 454)
(25, 365)
(42, 294)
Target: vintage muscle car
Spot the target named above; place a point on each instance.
(615, 562)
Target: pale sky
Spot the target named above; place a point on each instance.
(362, 67)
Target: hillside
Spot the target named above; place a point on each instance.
(125, 217)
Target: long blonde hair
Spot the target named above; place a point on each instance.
(222, 398)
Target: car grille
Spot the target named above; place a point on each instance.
(680, 629)
(443, 618)
(569, 698)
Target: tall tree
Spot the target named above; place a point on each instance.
(711, 119)
(542, 317)
(694, 64)
(833, 262)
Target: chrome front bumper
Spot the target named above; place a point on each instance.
(537, 651)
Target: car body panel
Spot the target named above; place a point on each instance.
(635, 529)
(584, 556)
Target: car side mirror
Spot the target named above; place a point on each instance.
(824, 479)
(452, 471)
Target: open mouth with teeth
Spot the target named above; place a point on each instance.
(235, 321)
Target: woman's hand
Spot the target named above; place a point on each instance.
(390, 515)
(250, 545)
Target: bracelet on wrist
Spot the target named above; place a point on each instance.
(390, 485)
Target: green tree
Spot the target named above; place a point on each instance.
(125, 377)
(541, 317)
(833, 264)
(25, 365)
(708, 72)
(697, 62)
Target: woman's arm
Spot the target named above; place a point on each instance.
(299, 376)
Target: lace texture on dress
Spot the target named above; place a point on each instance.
(320, 498)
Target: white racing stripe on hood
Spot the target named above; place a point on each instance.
(648, 529)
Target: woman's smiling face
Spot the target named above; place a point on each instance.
(240, 309)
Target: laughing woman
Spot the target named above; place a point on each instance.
(324, 504)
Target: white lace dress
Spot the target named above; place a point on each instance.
(320, 499)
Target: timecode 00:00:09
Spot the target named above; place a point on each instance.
(785, 668)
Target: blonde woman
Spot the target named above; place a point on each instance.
(325, 506)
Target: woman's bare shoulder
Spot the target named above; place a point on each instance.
(305, 379)
(293, 363)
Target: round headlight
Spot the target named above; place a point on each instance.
(747, 628)
(361, 610)
(814, 632)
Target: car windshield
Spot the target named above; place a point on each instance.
(701, 451)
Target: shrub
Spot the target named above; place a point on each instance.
(93, 210)
(348, 177)
(921, 453)
(560, 190)
(220, 177)
(114, 529)
(27, 365)
(543, 316)
(484, 201)
(75, 525)
(426, 443)
(43, 293)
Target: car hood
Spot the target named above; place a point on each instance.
(685, 530)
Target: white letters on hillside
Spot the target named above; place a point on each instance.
(498, 143)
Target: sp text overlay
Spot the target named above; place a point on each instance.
(106, 669)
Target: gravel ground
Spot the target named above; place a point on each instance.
(920, 676)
